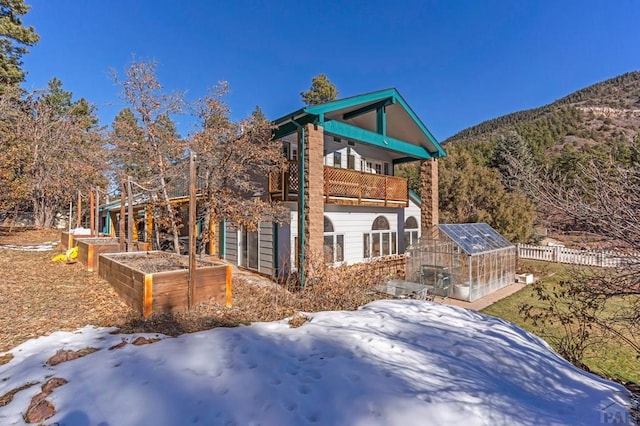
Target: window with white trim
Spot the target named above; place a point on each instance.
(410, 231)
(337, 159)
(381, 241)
(333, 243)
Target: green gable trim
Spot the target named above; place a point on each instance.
(415, 197)
(289, 116)
(412, 114)
(367, 108)
(291, 127)
(351, 101)
(355, 133)
(381, 121)
(376, 100)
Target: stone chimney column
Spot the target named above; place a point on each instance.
(429, 194)
(314, 196)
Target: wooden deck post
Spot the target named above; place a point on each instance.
(121, 231)
(130, 219)
(326, 184)
(79, 219)
(191, 285)
(91, 213)
(149, 226)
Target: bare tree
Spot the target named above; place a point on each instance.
(234, 161)
(54, 149)
(602, 197)
(153, 142)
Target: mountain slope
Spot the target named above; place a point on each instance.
(604, 112)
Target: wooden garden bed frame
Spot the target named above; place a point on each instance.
(67, 241)
(157, 292)
(90, 248)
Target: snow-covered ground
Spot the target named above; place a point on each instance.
(389, 363)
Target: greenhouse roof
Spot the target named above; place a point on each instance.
(475, 238)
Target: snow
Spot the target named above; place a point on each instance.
(48, 246)
(390, 363)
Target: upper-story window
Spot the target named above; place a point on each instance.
(381, 241)
(337, 159)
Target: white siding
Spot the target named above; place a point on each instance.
(355, 223)
(413, 210)
(292, 239)
(361, 152)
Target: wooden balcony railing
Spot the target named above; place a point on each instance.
(344, 186)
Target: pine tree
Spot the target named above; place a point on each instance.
(14, 37)
(321, 91)
(512, 158)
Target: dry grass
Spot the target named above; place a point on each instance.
(39, 297)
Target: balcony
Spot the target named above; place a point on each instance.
(344, 186)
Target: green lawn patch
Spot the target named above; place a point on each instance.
(609, 358)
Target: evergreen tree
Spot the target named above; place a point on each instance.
(470, 192)
(321, 91)
(128, 155)
(14, 37)
(512, 158)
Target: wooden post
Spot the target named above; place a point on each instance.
(213, 248)
(149, 226)
(284, 185)
(97, 212)
(130, 219)
(123, 190)
(70, 237)
(79, 220)
(228, 297)
(192, 229)
(91, 212)
(112, 223)
(326, 184)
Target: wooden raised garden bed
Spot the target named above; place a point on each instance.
(155, 281)
(67, 241)
(89, 249)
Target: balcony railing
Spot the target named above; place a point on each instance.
(344, 186)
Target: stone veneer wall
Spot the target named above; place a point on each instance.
(314, 198)
(429, 194)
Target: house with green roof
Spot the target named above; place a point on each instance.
(346, 203)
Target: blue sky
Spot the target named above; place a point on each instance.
(457, 63)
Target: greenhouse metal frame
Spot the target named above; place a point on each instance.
(464, 261)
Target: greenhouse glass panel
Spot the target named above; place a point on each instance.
(468, 260)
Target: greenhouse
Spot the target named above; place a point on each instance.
(463, 261)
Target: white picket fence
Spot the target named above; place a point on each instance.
(601, 258)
